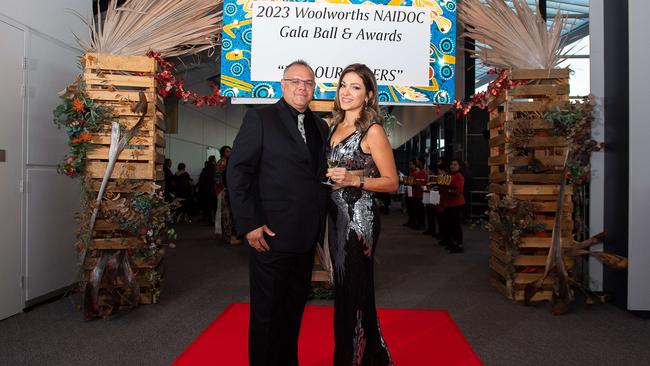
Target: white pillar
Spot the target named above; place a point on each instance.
(597, 186)
(639, 192)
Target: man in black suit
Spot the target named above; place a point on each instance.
(278, 204)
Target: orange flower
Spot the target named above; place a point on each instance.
(85, 136)
(78, 105)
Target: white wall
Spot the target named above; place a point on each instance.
(49, 200)
(639, 191)
(201, 131)
(51, 18)
(597, 186)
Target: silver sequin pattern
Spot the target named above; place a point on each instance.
(354, 206)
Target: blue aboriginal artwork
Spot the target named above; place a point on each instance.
(236, 56)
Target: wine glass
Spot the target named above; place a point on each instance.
(331, 163)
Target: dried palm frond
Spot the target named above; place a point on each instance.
(512, 38)
(171, 27)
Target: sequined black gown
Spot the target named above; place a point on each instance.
(353, 231)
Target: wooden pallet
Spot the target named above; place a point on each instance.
(526, 162)
(116, 82)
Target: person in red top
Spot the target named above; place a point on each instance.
(452, 201)
(420, 176)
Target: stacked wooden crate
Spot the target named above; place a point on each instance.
(117, 81)
(526, 162)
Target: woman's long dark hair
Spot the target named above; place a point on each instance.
(370, 113)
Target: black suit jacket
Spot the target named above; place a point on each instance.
(271, 179)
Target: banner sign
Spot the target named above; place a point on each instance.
(409, 44)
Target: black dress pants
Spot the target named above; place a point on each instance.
(279, 284)
(453, 233)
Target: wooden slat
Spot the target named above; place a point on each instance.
(497, 160)
(553, 141)
(149, 123)
(497, 252)
(494, 103)
(95, 80)
(136, 263)
(497, 188)
(530, 74)
(497, 141)
(101, 153)
(539, 296)
(105, 61)
(534, 123)
(122, 186)
(103, 225)
(497, 121)
(543, 295)
(530, 260)
(115, 243)
(535, 178)
(497, 266)
(118, 96)
(105, 139)
(321, 105)
(320, 276)
(551, 206)
(521, 279)
(95, 169)
(123, 108)
(535, 242)
(567, 223)
(534, 106)
(533, 189)
(498, 177)
(519, 161)
(530, 90)
(501, 288)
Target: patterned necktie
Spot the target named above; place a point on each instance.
(301, 126)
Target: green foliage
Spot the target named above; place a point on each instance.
(79, 116)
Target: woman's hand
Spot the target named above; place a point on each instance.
(342, 178)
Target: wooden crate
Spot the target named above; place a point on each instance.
(319, 274)
(116, 81)
(526, 162)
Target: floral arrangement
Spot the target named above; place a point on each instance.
(494, 89)
(168, 83)
(145, 215)
(510, 219)
(80, 116)
(574, 121)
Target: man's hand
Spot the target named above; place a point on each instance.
(256, 240)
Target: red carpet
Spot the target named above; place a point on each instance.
(414, 337)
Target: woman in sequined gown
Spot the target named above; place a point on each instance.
(365, 165)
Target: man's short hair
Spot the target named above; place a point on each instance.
(295, 63)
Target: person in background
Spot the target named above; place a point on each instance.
(183, 190)
(431, 214)
(410, 207)
(420, 178)
(452, 201)
(207, 191)
(467, 174)
(227, 226)
(169, 179)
